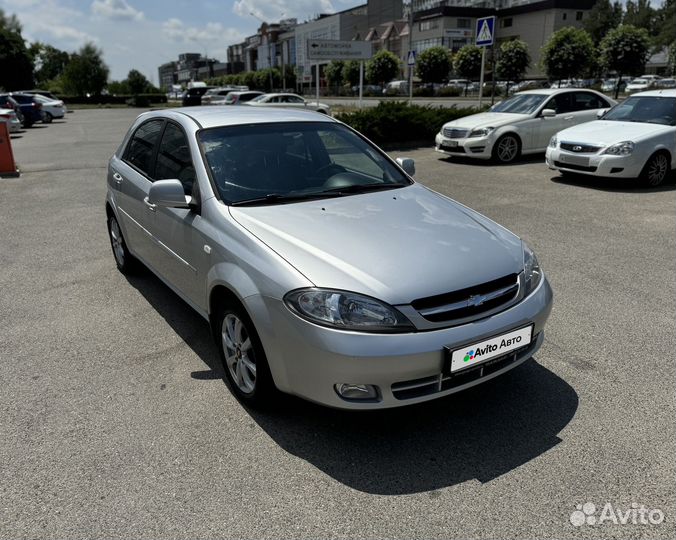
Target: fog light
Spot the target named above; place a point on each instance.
(357, 391)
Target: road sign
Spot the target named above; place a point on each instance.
(331, 49)
(485, 31)
(411, 58)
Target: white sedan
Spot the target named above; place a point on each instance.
(9, 117)
(635, 139)
(52, 108)
(290, 101)
(521, 124)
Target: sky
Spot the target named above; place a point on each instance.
(142, 34)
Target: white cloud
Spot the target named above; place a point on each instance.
(116, 9)
(273, 10)
(211, 33)
(61, 32)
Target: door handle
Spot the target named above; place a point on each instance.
(568, 117)
(152, 207)
(118, 178)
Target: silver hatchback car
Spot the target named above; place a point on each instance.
(323, 269)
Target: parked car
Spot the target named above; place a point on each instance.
(8, 102)
(214, 95)
(277, 227)
(9, 117)
(635, 139)
(51, 108)
(31, 109)
(566, 83)
(609, 85)
(396, 88)
(288, 101)
(239, 98)
(639, 84)
(521, 124)
(193, 96)
(665, 83)
(44, 93)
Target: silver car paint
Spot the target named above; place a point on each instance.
(261, 253)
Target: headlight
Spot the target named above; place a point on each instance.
(483, 132)
(620, 149)
(346, 311)
(531, 269)
(553, 142)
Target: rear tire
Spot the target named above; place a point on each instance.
(125, 261)
(656, 170)
(244, 363)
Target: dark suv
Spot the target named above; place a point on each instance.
(193, 96)
(31, 109)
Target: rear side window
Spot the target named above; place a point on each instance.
(247, 97)
(142, 145)
(173, 158)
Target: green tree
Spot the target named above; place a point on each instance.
(351, 73)
(86, 73)
(334, 73)
(48, 62)
(639, 13)
(665, 24)
(118, 88)
(567, 54)
(467, 63)
(383, 67)
(603, 17)
(434, 65)
(625, 50)
(137, 82)
(513, 61)
(16, 66)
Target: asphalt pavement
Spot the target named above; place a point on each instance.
(115, 421)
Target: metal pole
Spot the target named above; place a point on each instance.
(410, 48)
(317, 68)
(481, 77)
(361, 81)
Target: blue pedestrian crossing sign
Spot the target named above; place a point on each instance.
(411, 58)
(485, 31)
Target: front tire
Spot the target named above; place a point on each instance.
(656, 170)
(244, 362)
(507, 148)
(48, 118)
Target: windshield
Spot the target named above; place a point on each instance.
(651, 110)
(520, 104)
(639, 81)
(294, 160)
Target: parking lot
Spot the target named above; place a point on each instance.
(116, 422)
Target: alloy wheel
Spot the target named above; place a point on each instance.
(657, 169)
(116, 241)
(508, 148)
(239, 353)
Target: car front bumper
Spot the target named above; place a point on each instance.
(310, 360)
(475, 147)
(594, 164)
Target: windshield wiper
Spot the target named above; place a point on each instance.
(363, 188)
(279, 198)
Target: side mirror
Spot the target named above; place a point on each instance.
(168, 193)
(548, 113)
(601, 113)
(407, 164)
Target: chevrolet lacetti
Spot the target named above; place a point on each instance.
(323, 269)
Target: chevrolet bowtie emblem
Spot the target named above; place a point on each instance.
(476, 300)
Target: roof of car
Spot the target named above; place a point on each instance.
(667, 92)
(550, 91)
(215, 116)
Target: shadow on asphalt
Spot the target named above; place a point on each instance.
(613, 185)
(481, 433)
(462, 160)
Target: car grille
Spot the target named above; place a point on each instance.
(574, 167)
(580, 148)
(452, 149)
(454, 133)
(469, 302)
(446, 381)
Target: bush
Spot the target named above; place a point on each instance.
(399, 122)
(423, 91)
(450, 91)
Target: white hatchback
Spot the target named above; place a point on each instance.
(636, 139)
(521, 124)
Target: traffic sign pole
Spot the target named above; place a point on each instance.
(481, 77)
(317, 69)
(361, 81)
(411, 63)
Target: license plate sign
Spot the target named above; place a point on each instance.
(451, 144)
(482, 351)
(574, 160)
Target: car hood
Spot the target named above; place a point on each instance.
(396, 245)
(487, 119)
(607, 132)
